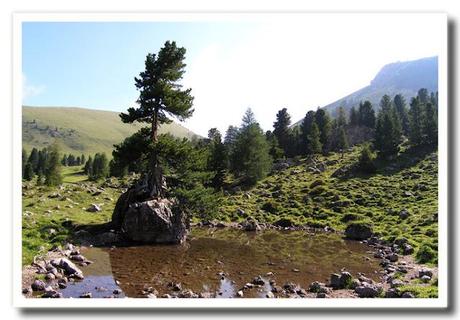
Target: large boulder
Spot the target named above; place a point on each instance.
(143, 214)
(358, 231)
(154, 221)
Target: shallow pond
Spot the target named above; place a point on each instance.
(221, 261)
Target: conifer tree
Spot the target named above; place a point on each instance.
(423, 96)
(430, 125)
(341, 117)
(366, 114)
(416, 121)
(34, 159)
(42, 162)
(275, 151)
(305, 129)
(82, 159)
(401, 110)
(387, 135)
(314, 140)
(385, 104)
(64, 160)
(282, 131)
(354, 117)
(251, 156)
(88, 169)
(342, 141)
(100, 167)
(53, 167)
(28, 172)
(161, 94)
(366, 159)
(218, 160)
(323, 121)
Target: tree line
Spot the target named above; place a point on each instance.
(46, 165)
(71, 160)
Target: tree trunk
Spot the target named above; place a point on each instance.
(155, 126)
(157, 183)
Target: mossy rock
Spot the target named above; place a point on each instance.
(359, 230)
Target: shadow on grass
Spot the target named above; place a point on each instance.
(408, 158)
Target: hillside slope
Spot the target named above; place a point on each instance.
(399, 201)
(405, 78)
(81, 130)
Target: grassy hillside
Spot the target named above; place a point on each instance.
(304, 195)
(81, 130)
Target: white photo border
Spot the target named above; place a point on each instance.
(19, 301)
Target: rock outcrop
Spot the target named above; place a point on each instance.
(141, 218)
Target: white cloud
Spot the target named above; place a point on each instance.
(29, 90)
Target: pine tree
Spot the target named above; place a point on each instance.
(416, 120)
(366, 159)
(282, 131)
(387, 135)
(100, 167)
(70, 160)
(28, 172)
(385, 104)
(423, 96)
(82, 158)
(430, 125)
(251, 156)
(354, 117)
(366, 114)
(314, 140)
(42, 162)
(64, 160)
(323, 121)
(305, 129)
(401, 110)
(88, 169)
(218, 160)
(341, 117)
(34, 159)
(161, 94)
(275, 151)
(53, 167)
(342, 141)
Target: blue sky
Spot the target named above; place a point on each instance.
(299, 64)
(93, 64)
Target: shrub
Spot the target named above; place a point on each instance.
(366, 160)
(270, 206)
(426, 254)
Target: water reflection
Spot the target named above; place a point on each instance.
(222, 261)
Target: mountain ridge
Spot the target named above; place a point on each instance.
(401, 77)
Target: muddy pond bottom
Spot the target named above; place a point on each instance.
(222, 261)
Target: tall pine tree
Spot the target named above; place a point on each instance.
(430, 125)
(282, 131)
(323, 121)
(53, 175)
(416, 121)
(161, 94)
(251, 155)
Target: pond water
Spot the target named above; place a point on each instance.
(221, 261)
